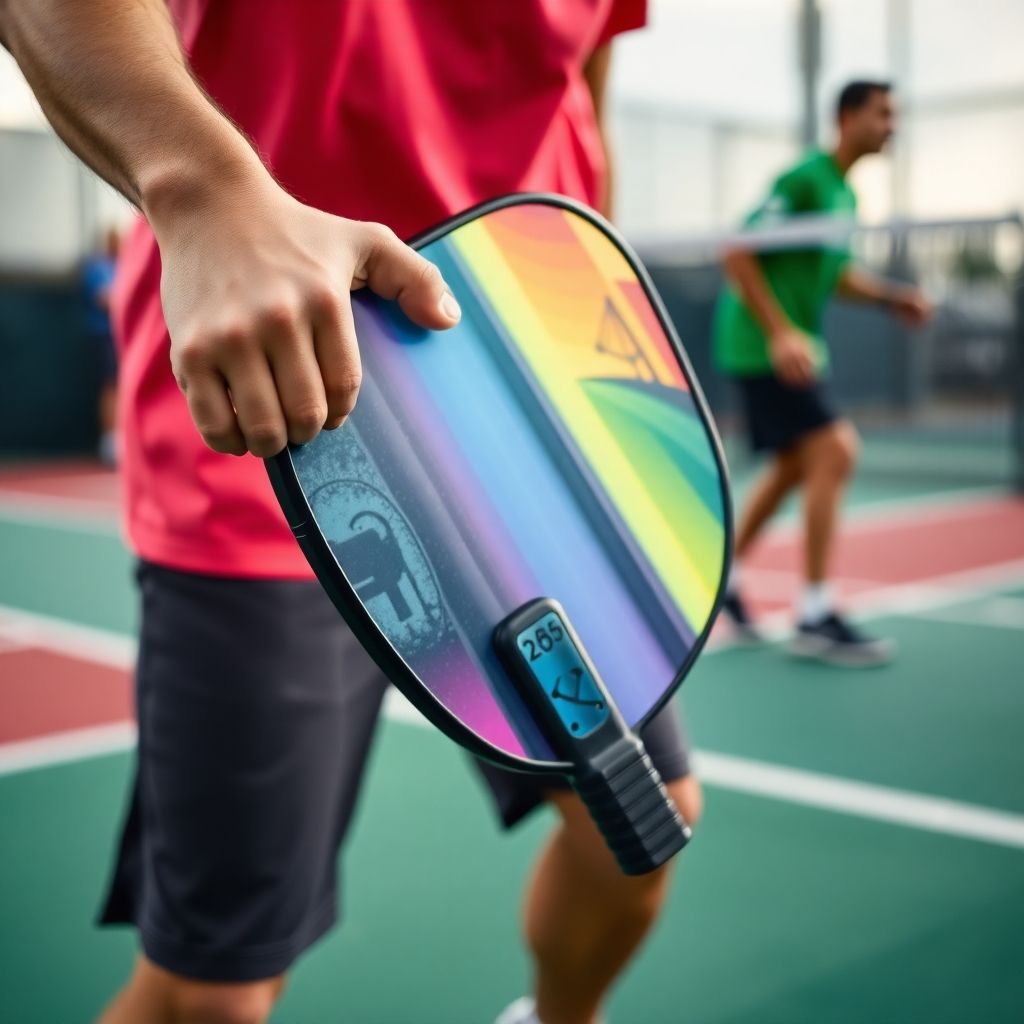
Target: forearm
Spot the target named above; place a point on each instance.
(255, 286)
(112, 80)
(745, 273)
(858, 285)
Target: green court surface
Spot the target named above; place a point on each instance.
(790, 906)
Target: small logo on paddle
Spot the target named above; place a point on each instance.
(383, 560)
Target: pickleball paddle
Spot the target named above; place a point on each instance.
(526, 519)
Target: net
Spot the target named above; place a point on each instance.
(944, 403)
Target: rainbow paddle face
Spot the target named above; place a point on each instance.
(553, 445)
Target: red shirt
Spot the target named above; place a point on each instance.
(399, 111)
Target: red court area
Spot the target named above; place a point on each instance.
(45, 692)
(79, 487)
(48, 689)
(925, 545)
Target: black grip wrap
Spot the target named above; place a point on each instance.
(630, 805)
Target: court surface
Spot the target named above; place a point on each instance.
(861, 857)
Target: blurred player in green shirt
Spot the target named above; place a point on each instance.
(768, 338)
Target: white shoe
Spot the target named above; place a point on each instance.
(522, 1011)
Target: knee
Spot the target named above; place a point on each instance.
(212, 1003)
(789, 470)
(580, 850)
(837, 452)
(848, 446)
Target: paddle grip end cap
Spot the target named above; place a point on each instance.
(629, 803)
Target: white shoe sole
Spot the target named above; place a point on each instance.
(818, 648)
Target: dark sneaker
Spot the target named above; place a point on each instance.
(743, 629)
(835, 641)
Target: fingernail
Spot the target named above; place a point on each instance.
(449, 307)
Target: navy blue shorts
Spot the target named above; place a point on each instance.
(778, 415)
(257, 709)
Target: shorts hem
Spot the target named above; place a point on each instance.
(515, 811)
(779, 415)
(255, 963)
(674, 769)
(786, 441)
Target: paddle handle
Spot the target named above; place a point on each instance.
(628, 801)
(610, 769)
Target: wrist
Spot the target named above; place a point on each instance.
(894, 295)
(176, 190)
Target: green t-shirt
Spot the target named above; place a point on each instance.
(802, 280)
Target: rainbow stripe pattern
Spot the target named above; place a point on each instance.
(549, 445)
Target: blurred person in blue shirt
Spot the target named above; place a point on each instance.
(97, 278)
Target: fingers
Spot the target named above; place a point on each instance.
(231, 392)
(337, 356)
(210, 408)
(256, 384)
(803, 372)
(254, 396)
(394, 271)
(281, 362)
(791, 375)
(797, 368)
(288, 343)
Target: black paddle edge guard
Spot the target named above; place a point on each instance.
(302, 522)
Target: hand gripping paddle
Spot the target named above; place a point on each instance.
(526, 519)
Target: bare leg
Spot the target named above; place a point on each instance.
(584, 917)
(828, 456)
(157, 996)
(107, 448)
(771, 487)
(108, 407)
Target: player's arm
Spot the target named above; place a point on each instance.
(789, 348)
(255, 285)
(906, 301)
(596, 72)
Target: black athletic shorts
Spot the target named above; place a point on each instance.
(778, 415)
(257, 710)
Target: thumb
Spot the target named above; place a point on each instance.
(394, 271)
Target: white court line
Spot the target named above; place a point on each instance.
(64, 747)
(861, 799)
(826, 792)
(90, 484)
(916, 599)
(882, 803)
(85, 515)
(101, 646)
(768, 583)
(997, 612)
(118, 650)
(759, 778)
(70, 515)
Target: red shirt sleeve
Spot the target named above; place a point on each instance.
(624, 16)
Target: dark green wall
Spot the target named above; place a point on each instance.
(50, 369)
